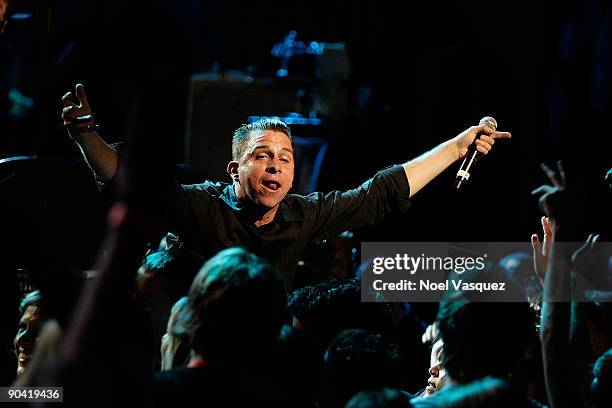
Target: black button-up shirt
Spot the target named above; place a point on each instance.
(208, 217)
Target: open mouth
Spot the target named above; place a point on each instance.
(272, 185)
(431, 388)
(23, 358)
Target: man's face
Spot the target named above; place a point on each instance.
(151, 292)
(437, 373)
(265, 172)
(169, 342)
(27, 333)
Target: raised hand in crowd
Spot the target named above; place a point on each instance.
(556, 200)
(566, 342)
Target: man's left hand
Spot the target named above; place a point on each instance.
(483, 144)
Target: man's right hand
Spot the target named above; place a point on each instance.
(78, 119)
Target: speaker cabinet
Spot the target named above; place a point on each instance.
(217, 106)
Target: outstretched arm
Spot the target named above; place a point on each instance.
(389, 190)
(423, 169)
(79, 121)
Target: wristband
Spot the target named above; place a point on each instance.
(86, 129)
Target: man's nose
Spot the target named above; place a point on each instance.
(435, 370)
(274, 166)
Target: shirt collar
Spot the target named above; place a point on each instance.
(284, 213)
(230, 198)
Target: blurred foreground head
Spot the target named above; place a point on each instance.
(359, 360)
(484, 339)
(235, 310)
(327, 308)
(32, 318)
(601, 387)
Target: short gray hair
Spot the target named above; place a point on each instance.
(244, 133)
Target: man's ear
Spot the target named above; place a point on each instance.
(232, 170)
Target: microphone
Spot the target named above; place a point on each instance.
(472, 155)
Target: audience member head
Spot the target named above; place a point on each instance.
(358, 360)
(168, 273)
(237, 305)
(329, 307)
(601, 386)
(174, 351)
(437, 373)
(518, 268)
(32, 313)
(162, 279)
(483, 339)
(299, 367)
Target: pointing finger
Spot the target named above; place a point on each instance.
(80, 91)
(501, 135)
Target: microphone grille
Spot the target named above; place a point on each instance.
(490, 121)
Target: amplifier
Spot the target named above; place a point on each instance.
(217, 106)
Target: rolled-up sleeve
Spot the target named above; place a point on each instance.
(386, 193)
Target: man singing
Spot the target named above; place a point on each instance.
(255, 211)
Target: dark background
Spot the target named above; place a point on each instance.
(420, 72)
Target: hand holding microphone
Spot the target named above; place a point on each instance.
(478, 140)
